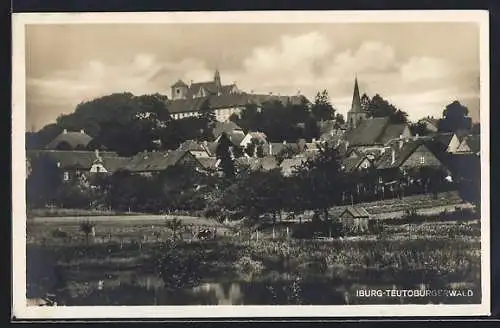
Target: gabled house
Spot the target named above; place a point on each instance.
(266, 163)
(430, 123)
(355, 219)
(470, 144)
(449, 141)
(76, 164)
(258, 136)
(274, 148)
(231, 129)
(199, 150)
(70, 140)
(414, 154)
(352, 164)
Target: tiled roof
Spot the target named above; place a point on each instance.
(352, 163)
(74, 139)
(211, 147)
(83, 160)
(191, 145)
(179, 83)
(156, 161)
(208, 162)
(357, 212)
(373, 131)
(385, 160)
(258, 135)
(228, 126)
(210, 86)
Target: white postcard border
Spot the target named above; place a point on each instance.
(20, 308)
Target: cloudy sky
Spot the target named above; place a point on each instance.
(419, 67)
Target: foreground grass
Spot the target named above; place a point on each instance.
(432, 256)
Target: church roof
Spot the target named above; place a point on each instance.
(374, 131)
(179, 83)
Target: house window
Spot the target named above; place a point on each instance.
(422, 159)
(66, 176)
(98, 169)
(380, 180)
(178, 91)
(365, 165)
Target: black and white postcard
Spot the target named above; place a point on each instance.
(250, 164)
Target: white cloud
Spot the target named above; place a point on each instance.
(426, 69)
(307, 62)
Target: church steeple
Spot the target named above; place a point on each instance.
(356, 99)
(356, 114)
(217, 79)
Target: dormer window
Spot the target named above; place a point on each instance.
(422, 159)
(66, 176)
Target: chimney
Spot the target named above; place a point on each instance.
(270, 148)
(96, 151)
(82, 131)
(332, 133)
(65, 131)
(284, 142)
(401, 143)
(346, 145)
(313, 139)
(393, 159)
(205, 143)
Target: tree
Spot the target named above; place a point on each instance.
(455, 117)
(379, 107)
(419, 128)
(476, 128)
(365, 102)
(322, 109)
(321, 180)
(87, 228)
(206, 113)
(339, 119)
(38, 140)
(223, 154)
(173, 225)
(43, 181)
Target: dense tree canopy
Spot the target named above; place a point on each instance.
(379, 107)
(455, 117)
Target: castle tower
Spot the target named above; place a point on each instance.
(356, 114)
(179, 90)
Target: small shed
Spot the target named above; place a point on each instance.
(355, 219)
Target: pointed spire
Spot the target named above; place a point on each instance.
(356, 99)
(217, 78)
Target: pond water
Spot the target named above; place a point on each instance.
(264, 293)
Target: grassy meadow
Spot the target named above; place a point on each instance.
(136, 263)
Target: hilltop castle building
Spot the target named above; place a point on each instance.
(225, 100)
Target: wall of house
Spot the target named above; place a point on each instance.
(454, 144)
(414, 160)
(463, 147)
(354, 224)
(223, 114)
(98, 168)
(177, 116)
